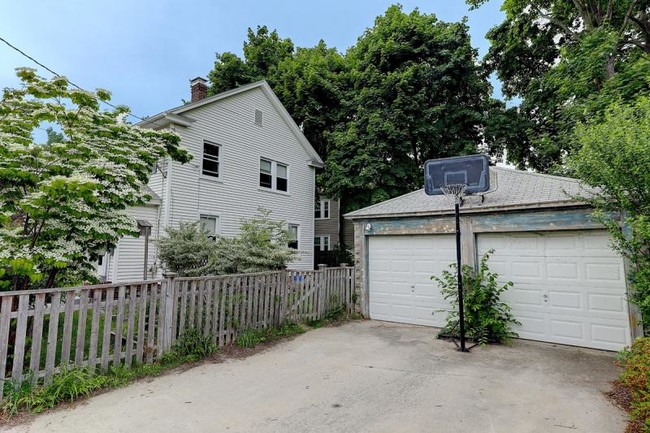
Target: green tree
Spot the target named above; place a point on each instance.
(566, 61)
(185, 249)
(416, 92)
(63, 203)
(615, 158)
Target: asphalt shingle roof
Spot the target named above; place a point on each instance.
(508, 189)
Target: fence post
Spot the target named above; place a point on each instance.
(167, 307)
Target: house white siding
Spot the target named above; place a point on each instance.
(127, 261)
(236, 194)
(231, 121)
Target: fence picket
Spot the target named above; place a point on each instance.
(108, 323)
(37, 335)
(151, 325)
(21, 333)
(68, 317)
(5, 322)
(81, 328)
(130, 325)
(119, 323)
(50, 357)
(142, 315)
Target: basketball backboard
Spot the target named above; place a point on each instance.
(471, 171)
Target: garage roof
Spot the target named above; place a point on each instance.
(509, 189)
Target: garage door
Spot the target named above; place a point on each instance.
(400, 285)
(569, 287)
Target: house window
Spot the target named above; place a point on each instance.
(258, 117)
(322, 210)
(210, 159)
(210, 225)
(293, 236)
(322, 243)
(274, 175)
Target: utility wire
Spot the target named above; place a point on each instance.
(58, 75)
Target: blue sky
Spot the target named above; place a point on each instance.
(145, 52)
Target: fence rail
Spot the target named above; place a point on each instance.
(43, 331)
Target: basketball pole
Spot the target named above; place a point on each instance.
(461, 309)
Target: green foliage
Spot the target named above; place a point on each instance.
(487, 318)
(415, 92)
(68, 385)
(193, 345)
(252, 337)
(614, 157)
(566, 61)
(62, 203)
(635, 362)
(262, 245)
(186, 248)
(409, 90)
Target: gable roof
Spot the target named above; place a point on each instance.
(175, 115)
(510, 189)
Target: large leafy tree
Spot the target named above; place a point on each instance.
(416, 92)
(615, 157)
(566, 61)
(62, 203)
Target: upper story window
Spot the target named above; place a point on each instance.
(293, 236)
(210, 165)
(274, 175)
(322, 210)
(210, 225)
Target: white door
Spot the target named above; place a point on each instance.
(569, 287)
(400, 270)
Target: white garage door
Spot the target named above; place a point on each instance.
(569, 287)
(400, 269)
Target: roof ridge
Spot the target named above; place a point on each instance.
(534, 173)
(384, 202)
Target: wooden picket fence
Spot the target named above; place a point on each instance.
(44, 331)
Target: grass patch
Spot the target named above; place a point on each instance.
(74, 383)
(253, 337)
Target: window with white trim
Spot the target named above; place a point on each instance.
(274, 175)
(211, 163)
(322, 243)
(210, 225)
(294, 232)
(322, 209)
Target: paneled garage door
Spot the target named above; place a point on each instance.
(400, 269)
(569, 287)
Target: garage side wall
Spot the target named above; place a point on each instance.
(472, 224)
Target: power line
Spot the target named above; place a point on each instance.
(57, 74)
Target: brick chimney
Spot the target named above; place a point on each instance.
(199, 88)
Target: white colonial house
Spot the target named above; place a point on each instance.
(248, 154)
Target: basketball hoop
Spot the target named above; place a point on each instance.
(456, 177)
(454, 192)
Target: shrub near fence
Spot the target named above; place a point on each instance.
(43, 331)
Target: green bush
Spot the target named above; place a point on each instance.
(487, 318)
(193, 345)
(635, 377)
(262, 245)
(252, 337)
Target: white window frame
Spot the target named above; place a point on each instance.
(321, 243)
(322, 203)
(211, 158)
(217, 224)
(297, 226)
(274, 176)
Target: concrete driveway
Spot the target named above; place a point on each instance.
(365, 377)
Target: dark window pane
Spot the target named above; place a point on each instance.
(266, 180)
(293, 244)
(210, 168)
(281, 184)
(211, 149)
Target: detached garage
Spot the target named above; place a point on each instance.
(569, 285)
